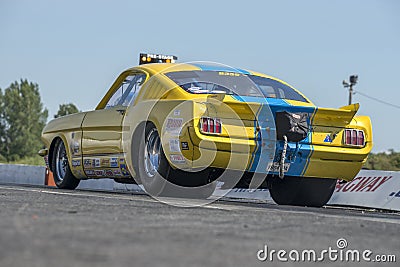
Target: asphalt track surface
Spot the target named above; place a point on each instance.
(43, 226)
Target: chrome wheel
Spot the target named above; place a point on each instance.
(152, 153)
(61, 161)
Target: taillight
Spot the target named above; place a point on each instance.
(347, 138)
(218, 127)
(210, 125)
(360, 138)
(204, 125)
(354, 137)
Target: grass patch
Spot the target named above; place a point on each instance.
(34, 160)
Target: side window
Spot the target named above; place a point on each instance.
(136, 85)
(127, 91)
(269, 91)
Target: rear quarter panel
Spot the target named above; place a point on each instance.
(343, 161)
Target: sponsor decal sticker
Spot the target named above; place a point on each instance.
(96, 162)
(109, 173)
(105, 162)
(76, 163)
(87, 163)
(224, 73)
(75, 147)
(89, 172)
(174, 145)
(114, 162)
(124, 170)
(274, 167)
(177, 112)
(177, 159)
(185, 145)
(99, 173)
(328, 139)
(174, 124)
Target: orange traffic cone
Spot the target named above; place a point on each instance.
(48, 178)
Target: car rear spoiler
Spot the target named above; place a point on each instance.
(335, 117)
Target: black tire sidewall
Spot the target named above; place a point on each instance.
(302, 191)
(283, 191)
(163, 183)
(153, 185)
(69, 181)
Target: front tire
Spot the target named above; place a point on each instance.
(300, 191)
(62, 174)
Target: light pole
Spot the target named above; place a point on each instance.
(353, 81)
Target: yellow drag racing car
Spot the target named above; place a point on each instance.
(182, 126)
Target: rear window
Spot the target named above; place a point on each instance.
(208, 82)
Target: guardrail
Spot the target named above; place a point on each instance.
(370, 188)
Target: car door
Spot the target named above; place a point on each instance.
(102, 128)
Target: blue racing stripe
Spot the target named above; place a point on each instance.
(265, 139)
(298, 154)
(255, 155)
(261, 100)
(311, 147)
(210, 67)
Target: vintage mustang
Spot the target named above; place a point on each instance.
(172, 127)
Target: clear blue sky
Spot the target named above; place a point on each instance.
(75, 49)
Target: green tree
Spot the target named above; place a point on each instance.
(22, 118)
(389, 161)
(2, 128)
(66, 109)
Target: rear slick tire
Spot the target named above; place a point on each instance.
(300, 191)
(152, 165)
(194, 185)
(159, 179)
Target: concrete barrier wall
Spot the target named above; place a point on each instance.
(34, 175)
(22, 174)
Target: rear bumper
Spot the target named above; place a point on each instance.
(336, 169)
(302, 160)
(299, 167)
